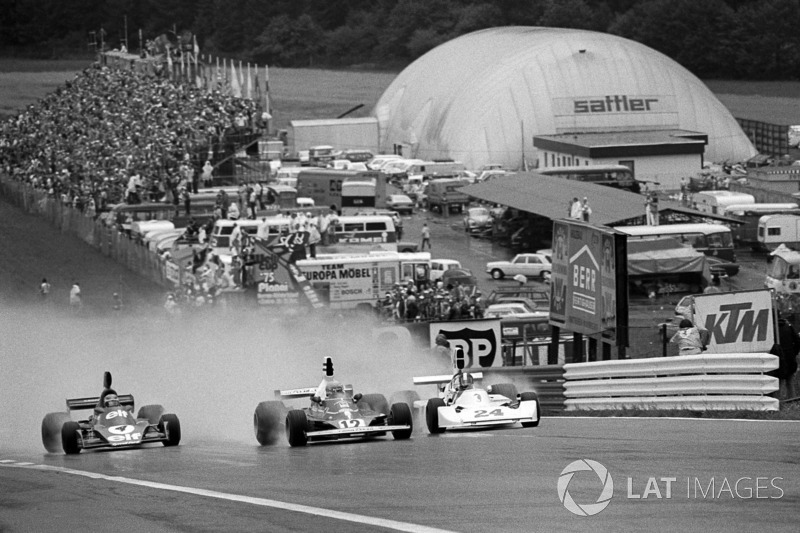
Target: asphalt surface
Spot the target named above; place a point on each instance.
(493, 480)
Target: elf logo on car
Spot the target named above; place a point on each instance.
(121, 430)
(132, 437)
(743, 323)
(115, 414)
(476, 344)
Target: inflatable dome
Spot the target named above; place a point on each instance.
(482, 97)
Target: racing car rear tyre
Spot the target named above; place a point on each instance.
(51, 431)
(432, 415)
(151, 412)
(267, 421)
(509, 390)
(527, 397)
(170, 424)
(296, 424)
(69, 437)
(376, 402)
(400, 415)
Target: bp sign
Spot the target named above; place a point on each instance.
(585, 278)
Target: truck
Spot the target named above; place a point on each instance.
(359, 281)
(774, 230)
(746, 233)
(324, 186)
(444, 195)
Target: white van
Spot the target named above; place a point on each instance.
(440, 266)
(715, 202)
(220, 238)
(363, 233)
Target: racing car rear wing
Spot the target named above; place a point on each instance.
(78, 404)
(289, 394)
(443, 378)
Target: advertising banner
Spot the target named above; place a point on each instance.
(480, 339)
(738, 322)
(583, 287)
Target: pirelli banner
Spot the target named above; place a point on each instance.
(588, 286)
(738, 322)
(481, 340)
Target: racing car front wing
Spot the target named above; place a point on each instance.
(91, 440)
(355, 431)
(453, 417)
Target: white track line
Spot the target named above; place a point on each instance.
(263, 502)
(604, 418)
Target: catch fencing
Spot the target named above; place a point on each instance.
(691, 382)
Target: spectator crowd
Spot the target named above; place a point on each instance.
(115, 135)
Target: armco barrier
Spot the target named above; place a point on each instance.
(694, 382)
(546, 380)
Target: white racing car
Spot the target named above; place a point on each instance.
(461, 404)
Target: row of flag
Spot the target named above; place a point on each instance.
(245, 81)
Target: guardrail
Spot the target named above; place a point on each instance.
(693, 382)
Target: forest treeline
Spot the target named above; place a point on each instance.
(746, 39)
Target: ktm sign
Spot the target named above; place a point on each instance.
(738, 322)
(614, 104)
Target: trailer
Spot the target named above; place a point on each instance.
(774, 230)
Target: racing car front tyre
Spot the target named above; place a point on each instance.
(170, 425)
(531, 397)
(400, 415)
(267, 421)
(151, 412)
(51, 431)
(69, 437)
(406, 396)
(376, 402)
(296, 424)
(509, 390)
(432, 415)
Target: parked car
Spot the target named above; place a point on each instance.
(400, 203)
(477, 219)
(440, 266)
(538, 293)
(377, 162)
(528, 265)
(513, 310)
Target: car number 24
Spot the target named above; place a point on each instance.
(483, 413)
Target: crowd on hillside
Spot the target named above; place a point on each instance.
(113, 135)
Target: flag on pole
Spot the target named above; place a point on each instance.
(266, 90)
(248, 86)
(169, 63)
(195, 48)
(236, 88)
(198, 79)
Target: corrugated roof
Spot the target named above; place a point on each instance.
(625, 138)
(550, 196)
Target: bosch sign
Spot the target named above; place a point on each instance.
(614, 104)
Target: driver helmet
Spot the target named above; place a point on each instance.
(334, 390)
(111, 400)
(465, 380)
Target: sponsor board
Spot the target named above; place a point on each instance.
(583, 294)
(738, 322)
(479, 339)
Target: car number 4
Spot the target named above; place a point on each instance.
(480, 413)
(350, 423)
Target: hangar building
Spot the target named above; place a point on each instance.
(483, 97)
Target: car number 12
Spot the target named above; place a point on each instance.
(481, 413)
(356, 422)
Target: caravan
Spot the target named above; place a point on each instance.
(774, 230)
(715, 202)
